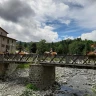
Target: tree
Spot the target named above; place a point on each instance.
(42, 46)
(25, 46)
(60, 49)
(20, 46)
(76, 47)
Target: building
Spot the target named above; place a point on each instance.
(6, 43)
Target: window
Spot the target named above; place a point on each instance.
(8, 41)
(3, 45)
(7, 47)
(3, 39)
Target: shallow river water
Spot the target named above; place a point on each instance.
(75, 82)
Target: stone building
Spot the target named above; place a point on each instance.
(6, 42)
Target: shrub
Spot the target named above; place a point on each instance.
(31, 86)
(23, 66)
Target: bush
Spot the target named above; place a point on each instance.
(23, 66)
(31, 86)
(28, 92)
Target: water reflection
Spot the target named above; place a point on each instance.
(68, 91)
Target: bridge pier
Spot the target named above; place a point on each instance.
(42, 76)
(6, 69)
(3, 68)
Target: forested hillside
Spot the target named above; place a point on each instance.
(76, 46)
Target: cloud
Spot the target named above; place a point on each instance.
(13, 10)
(85, 17)
(49, 10)
(28, 33)
(82, 11)
(89, 36)
(68, 37)
(36, 35)
(26, 20)
(21, 23)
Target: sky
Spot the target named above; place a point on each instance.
(52, 20)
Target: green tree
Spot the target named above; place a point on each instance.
(42, 46)
(60, 49)
(76, 47)
(20, 46)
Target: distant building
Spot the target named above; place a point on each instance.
(6, 43)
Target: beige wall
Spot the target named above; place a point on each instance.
(4, 43)
(0, 43)
(12, 44)
(3, 33)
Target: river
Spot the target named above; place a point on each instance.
(72, 81)
(75, 82)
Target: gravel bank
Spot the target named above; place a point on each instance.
(74, 82)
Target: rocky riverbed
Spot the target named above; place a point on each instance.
(73, 82)
(76, 81)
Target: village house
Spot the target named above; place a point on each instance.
(6, 43)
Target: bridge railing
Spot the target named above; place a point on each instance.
(37, 58)
(69, 59)
(6, 58)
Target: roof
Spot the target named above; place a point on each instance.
(8, 37)
(93, 45)
(4, 30)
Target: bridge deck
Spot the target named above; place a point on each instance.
(81, 66)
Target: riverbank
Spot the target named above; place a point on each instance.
(73, 82)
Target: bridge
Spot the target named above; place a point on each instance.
(79, 61)
(42, 68)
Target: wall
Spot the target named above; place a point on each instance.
(4, 42)
(2, 32)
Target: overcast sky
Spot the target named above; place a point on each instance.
(52, 20)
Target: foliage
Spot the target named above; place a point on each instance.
(86, 95)
(31, 86)
(94, 89)
(42, 46)
(23, 66)
(29, 92)
(76, 46)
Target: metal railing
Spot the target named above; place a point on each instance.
(37, 58)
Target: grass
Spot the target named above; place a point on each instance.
(94, 89)
(31, 86)
(28, 92)
(23, 66)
